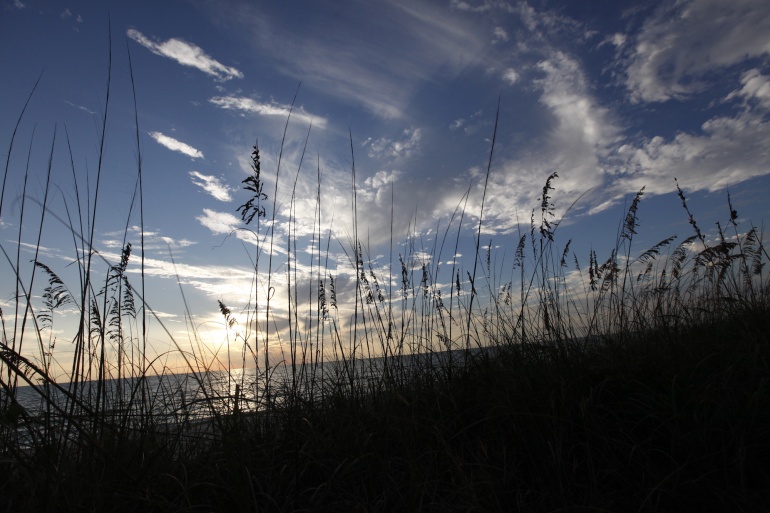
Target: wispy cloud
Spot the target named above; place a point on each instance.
(251, 106)
(406, 146)
(471, 125)
(173, 144)
(153, 241)
(684, 40)
(510, 76)
(18, 4)
(482, 6)
(186, 54)
(500, 34)
(756, 87)
(85, 109)
(219, 222)
(433, 42)
(212, 185)
(618, 40)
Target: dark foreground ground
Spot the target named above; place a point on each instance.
(664, 421)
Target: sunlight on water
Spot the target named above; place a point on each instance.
(195, 397)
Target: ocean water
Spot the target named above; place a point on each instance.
(196, 397)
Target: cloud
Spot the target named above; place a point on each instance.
(471, 125)
(219, 222)
(465, 6)
(212, 185)
(382, 178)
(500, 34)
(581, 135)
(390, 148)
(173, 144)
(85, 109)
(266, 109)
(484, 6)
(729, 150)
(756, 86)
(510, 76)
(683, 41)
(18, 4)
(565, 93)
(186, 54)
(431, 43)
(214, 280)
(152, 240)
(618, 39)
(377, 188)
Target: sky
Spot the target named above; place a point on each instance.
(611, 96)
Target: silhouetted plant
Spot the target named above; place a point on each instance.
(253, 207)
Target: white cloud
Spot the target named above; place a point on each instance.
(471, 124)
(377, 188)
(152, 240)
(186, 54)
(390, 148)
(214, 280)
(582, 133)
(510, 76)
(730, 150)
(219, 222)
(484, 6)
(500, 34)
(756, 86)
(181, 243)
(382, 178)
(266, 109)
(432, 43)
(212, 185)
(565, 93)
(684, 40)
(85, 109)
(618, 40)
(465, 6)
(18, 4)
(173, 144)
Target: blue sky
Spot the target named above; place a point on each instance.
(612, 96)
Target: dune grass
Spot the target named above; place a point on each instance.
(636, 382)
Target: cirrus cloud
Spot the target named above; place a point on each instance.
(212, 185)
(186, 54)
(251, 106)
(174, 145)
(685, 40)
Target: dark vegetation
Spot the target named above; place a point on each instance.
(639, 382)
